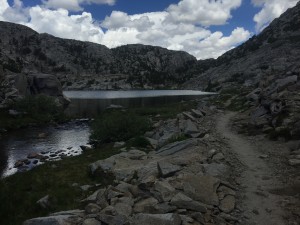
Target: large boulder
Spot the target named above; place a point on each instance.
(157, 219)
(61, 218)
(201, 188)
(45, 84)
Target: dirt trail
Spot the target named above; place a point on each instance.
(261, 207)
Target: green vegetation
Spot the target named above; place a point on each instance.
(233, 99)
(20, 192)
(138, 142)
(33, 110)
(122, 125)
(277, 133)
(180, 137)
(116, 125)
(165, 111)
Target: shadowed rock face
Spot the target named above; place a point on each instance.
(265, 57)
(263, 74)
(17, 85)
(83, 64)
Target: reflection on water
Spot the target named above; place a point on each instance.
(67, 138)
(131, 94)
(18, 144)
(90, 103)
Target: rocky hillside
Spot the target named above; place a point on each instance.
(261, 77)
(85, 65)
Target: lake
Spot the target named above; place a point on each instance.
(90, 103)
(66, 139)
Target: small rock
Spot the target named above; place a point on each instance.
(165, 189)
(197, 113)
(211, 153)
(219, 156)
(109, 210)
(156, 219)
(32, 155)
(189, 116)
(294, 162)
(119, 144)
(44, 202)
(201, 188)
(92, 208)
(190, 128)
(42, 135)
(13, 112)
(86, 147)
(263, 156)
(181, 201)
(268, 210)
(123, 209)
(227, 204)
(91, 221)
(85, 187)
(167, 169)
(145, 205)
(255, 211)
(18, 164)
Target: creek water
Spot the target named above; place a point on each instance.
(65, 140)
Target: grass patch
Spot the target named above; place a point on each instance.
(120, 125)
(138, 142)
(33, 110)
(238, 104)
(284, 133)
(19, 192)
(166, 111)
(180, 137)
(116, 125)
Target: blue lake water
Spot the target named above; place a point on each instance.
(90, 103)
(67, 138)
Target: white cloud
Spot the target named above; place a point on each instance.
(271, 9)
(216, 44)
(202, 12)
(119, 19)
(3, 6)
(74, 5)
(17, 13)
(158, 30)
(59, 23)
(154, 28)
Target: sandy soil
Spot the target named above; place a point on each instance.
(268, 195)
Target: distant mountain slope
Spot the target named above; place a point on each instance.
(274, 51)
(83, 64)
(261, 78)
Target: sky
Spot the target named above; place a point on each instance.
(203, 28)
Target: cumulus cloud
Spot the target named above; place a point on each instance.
(74, 5)
(202, 12)
(59, 23)
(271, 9)
(56, 22)
(156, 28)
(119, 19)
(17, 13)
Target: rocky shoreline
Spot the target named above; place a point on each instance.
(192, 181)
(181, 182)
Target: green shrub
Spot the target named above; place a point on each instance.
(138, 142)
(40, 108)
(115, 125)
(180, 137)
